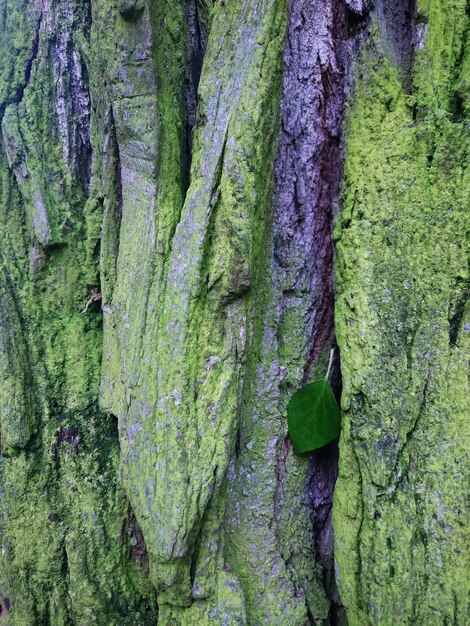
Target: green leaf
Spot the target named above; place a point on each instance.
(313, 417)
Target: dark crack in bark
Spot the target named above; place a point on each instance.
(19, 95)
(196, 48)
(397, 18)
(457, 310)
(29, 66)
(323, 39)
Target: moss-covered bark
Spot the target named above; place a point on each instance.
(170, 173)
(65, 525)
(401, 520)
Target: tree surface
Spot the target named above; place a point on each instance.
(199, 201)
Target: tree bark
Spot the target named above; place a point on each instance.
(199, 201)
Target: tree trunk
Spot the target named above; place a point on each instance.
(199, 201)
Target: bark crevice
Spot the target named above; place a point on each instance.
(323, 39)
(29, 65)
(196, 47)
(397, 19)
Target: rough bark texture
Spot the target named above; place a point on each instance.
(170, 176)
(401, 517)
(65, 527)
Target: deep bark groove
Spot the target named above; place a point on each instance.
(196, 47)
(398, 20)
(29, 66)
(199, 149)
(322, 40)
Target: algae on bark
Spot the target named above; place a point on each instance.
(65, 556)
(169, 175)
(401, 517)
(208, 329)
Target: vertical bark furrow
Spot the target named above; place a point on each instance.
(397, 20)
(29, 65)
(320, 50)
(170, 171)
(196, 47)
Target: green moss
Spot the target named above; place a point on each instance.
(196, 362)
(17, 411)
(65, 555)
(17, 25)
(189, 278)
(402, 263)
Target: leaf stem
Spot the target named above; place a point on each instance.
(330, 362)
